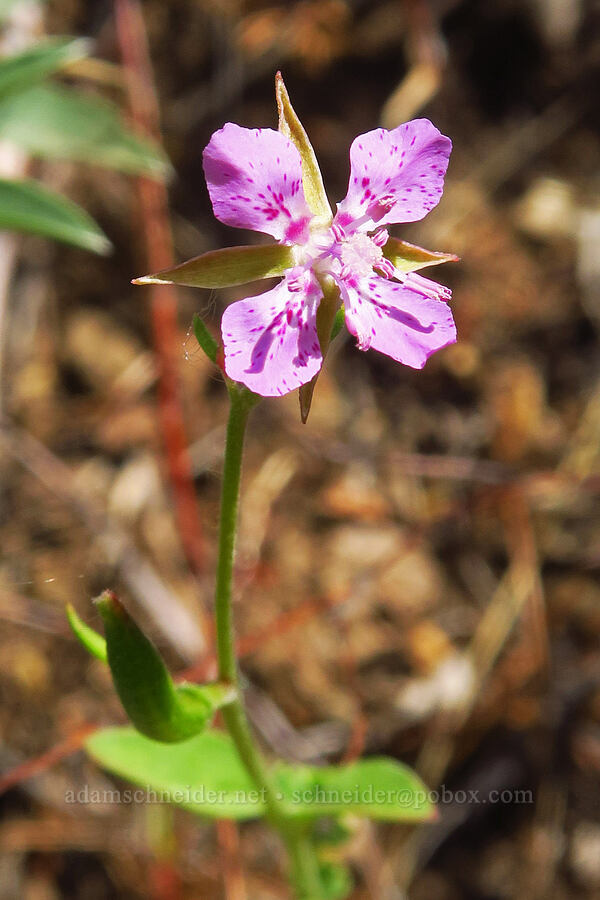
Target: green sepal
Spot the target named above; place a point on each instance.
(327, 314)
(312, 180)
(227, 267)
(205, 338)
(156, 706)
(408, 257)
(93, 642)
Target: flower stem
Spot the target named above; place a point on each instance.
(304, 868)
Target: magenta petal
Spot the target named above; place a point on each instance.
(270, 340)
(405, 321)
(254, 179)
(395, 176)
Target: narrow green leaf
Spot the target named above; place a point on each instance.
(375, 788)
(204, 774)
(157, 707)
(205, 338)
(55, 122)
(223, 268)
(338, 323)
(291, 126)
(408, 257)
(21, 70)
(93, 642)
(27, 206)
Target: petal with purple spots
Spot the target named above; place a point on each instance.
(254, 179)
(406, 321)
(270, 340)
(395, 176)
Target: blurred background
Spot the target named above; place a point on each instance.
(418, 565)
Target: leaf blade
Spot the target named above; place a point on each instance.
(28, 207)
(186, 771)
(378, 788)
(93, 642)
(55, 122)
(205, 338)
(21, 70)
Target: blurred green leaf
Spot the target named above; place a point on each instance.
(156, 706)
(93, 642)
(291, 126)
(26, 206)
(204, 774)
(58, 123)
(408, 257)
(375, 788)
(6, 8)
(223, 268)
(22, 70)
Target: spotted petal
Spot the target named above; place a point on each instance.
(395, 176)
(270, 340)
(407, 321)
(254, 179)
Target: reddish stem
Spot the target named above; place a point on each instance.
(154, 221)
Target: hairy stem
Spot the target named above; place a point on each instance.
(303, 869)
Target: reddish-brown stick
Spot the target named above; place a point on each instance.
(155, 228)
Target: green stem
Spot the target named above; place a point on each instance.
(303, 870)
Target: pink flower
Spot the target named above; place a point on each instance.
(254, 180)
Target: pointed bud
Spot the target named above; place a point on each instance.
(156, 706)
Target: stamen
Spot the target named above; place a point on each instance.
(338, 232)
(385, 268)
(381, 237)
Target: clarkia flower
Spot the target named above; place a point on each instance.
(268, 181)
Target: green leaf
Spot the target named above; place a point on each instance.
(374, 788)
(6, 8)
(223, 268)
(157, 707)
(55, 122)
(336, 880)
(312, 180)
(408, 257)
(93, 642)
(204, 774)
(26, 206)
(205, 338)
(338, 323)
(21, 70)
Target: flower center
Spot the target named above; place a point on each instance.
(359, 254)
